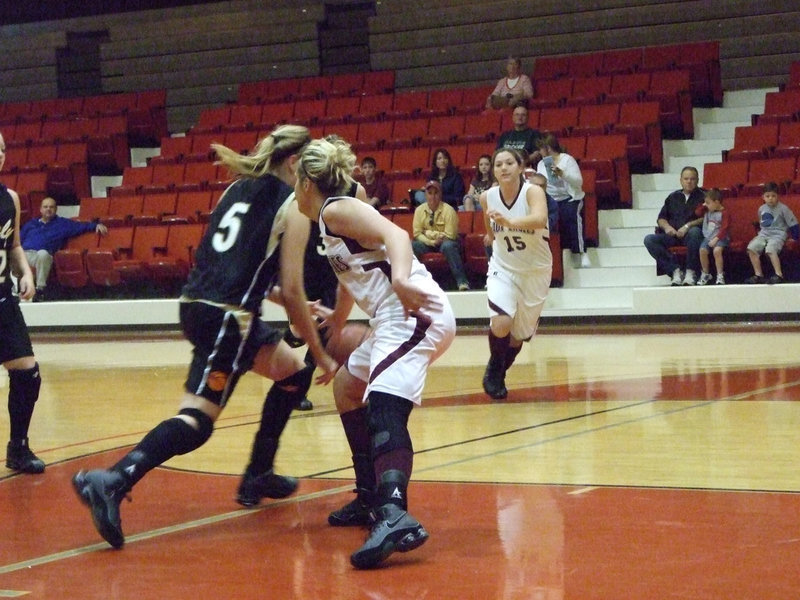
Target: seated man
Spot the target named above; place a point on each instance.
(435, 229)
(679, 225)
(41, 238)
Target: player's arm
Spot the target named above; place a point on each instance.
(293, 292)
(16, 256)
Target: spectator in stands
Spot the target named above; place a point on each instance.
(450, 181)
(535, 178)
(777, 220)
(565, 185)
(43, 237)
(512, 89)
(715, 237)
(482, 182)
(376, 188)
(435, 229)
(679, 225)
(522, 138)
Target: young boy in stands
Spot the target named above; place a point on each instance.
(715, 237)
(777, 221)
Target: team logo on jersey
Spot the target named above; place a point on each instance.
(216, 381)
(338, 264)
(7, 230)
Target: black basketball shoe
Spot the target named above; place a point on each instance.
(19, 457)
(266, 485)
(356, 513)
(102, 491)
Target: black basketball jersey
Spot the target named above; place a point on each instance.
(8, 217)
(237, 258)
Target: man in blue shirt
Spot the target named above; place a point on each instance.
(43, 237)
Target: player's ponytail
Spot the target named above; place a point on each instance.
(270, 152)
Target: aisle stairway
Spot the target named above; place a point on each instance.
(622, 279)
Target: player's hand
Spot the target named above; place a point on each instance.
(26, 288)
(329, 367)
(414, 298)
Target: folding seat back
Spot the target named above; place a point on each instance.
(241, 141)
(755, 141)
(383, 159)
(585, 65)
(742, 221)
(379, 82)
(407, 132)
(596, 119)
(458, 154)
(82, 128)
(558, 120)
(137, 176)
(200, 172)
(550, 93)
(118, 240)
(83, 242)
(341, 109)
(788, 140)
(405, 221)
(148, 240)
(794, 73)
(639, 121)
(346, 84)
(374, 106)
(574, 145)
(780, 106)
(481, 127)
(627, 60)
(213, 119)
(122, 210)
(778, 170)
(9, 180)
(473, 100)
(107, 104)
(346, 131)
(408, 104)
(159, 205)
(672, 89)
(192, 205)
(251, 92)
(307, 112)
(628, 87)
(70, 268)
(28, 131)
(445, 101)
(314, 87)
(660, 58)
(551, 67)
(476, 262)
(245, 116)
(55, 129)
(176, 147)
(280, 90)
(106, 155)
(476, 149)
(147, 99)
(276, 113)
(32, 184)
(201, 143)
(591, 229)
(589, 90)
(728, 176)
(607, 155)
(71, 153)
(42, 155)
(183, 240)
(93, 208)
(444, 130)
(408, 162)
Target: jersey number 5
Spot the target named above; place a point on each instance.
(518, 243)
(229, 227)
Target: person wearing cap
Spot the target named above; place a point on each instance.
(435, 229)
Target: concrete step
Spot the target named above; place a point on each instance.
(618, 257)
(695, 147)
(716, 131)
(752, 97)
(616, 237)
(652, 199)
(601, 277)
(588, 301)
(655, 181)
(629, 217)
(676, 163)
(726, 115)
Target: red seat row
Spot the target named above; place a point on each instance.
(129, 254)
(747, 177)
(344, 84)
(700, 58)
(150, 209)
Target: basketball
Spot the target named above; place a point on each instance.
(350, 337)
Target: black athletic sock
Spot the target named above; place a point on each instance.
(23, 392)
(511, 355)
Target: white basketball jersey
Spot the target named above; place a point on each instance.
(515, 250)
(365, 272)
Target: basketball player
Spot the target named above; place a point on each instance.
(16, 352)
(412, 325)
(219, 309)
(515, 213)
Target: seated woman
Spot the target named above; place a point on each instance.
(565, 185)
(482, 182)
(443, 171)
(511, 89)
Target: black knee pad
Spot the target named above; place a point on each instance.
(194, 438)
(23, 385)
(299, 383)
(387, 420)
